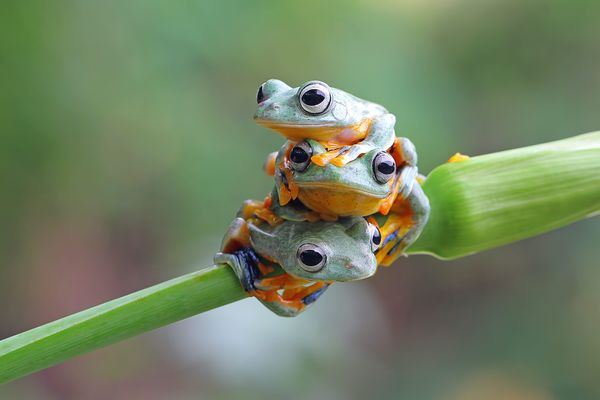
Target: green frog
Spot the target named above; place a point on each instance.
(289, 264)
(379, 182)
(345, 125)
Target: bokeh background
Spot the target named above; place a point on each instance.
(127, 145)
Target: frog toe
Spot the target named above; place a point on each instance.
(350, 153)
(244, 263)
(342, 160)
(323, 159)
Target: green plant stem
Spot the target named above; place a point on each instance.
(503, 197)
(116, 320)
(476, 204)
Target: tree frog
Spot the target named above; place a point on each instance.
(378, 182)
(344, 124)
(365, 186)
(288, 265)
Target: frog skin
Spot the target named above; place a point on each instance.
(344, 124)
(369, 184)
(288, 265)
(304, 191)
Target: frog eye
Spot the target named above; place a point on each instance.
(384, 167)
(311, 257)
(375, 235)
(300, 156)
(315, 97)
(260, 95)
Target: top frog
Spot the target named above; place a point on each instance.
(344, 124)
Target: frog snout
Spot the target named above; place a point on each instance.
(267, 111)
(357, 270)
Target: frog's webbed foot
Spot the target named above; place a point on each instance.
(405, 155)
(326, 157)
(245, 264)
(404, 225)
(407, 178)
(257, 211)
(401, 188)
(351, 153)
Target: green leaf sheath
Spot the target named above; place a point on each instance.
(116, 320)
(503, 197)
(477, 204)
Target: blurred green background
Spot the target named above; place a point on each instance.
(127, 145)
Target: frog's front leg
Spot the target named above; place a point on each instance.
(380, 136)
(404, 225)
(256, 211)
(405, 154)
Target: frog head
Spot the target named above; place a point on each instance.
(313, 110)
(358, 188)
(341, 250)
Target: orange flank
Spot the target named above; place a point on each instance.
(458, 158)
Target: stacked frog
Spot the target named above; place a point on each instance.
(347, 197)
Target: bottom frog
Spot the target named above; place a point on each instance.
(288, 265)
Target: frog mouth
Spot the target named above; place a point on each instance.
(300, 125)
(341, 189)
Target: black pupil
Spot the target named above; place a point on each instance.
(313, 97)
(311, 258)
(386, 167)
(376, 237)
(260, 96)
(299, 155)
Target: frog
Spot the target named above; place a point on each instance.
(365, 186)
(345, 125)
(287, 266)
